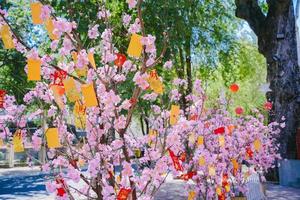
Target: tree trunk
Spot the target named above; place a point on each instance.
(276, 35)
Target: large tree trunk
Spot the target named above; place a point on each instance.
(276, 35)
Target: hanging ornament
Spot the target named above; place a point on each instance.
(234, 87)
(188, 176)
(219, 131)
(60, 191)
(268, 106)
(239, 110)
(120, 60)
(123, 194)
(175, 160)
(2, 98)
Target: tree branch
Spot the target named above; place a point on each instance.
(250, 11)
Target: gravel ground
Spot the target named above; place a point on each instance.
(28, 184)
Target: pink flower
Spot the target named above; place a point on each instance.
(93, 33)
(50, 186)
(120, 122)
(140, 80)
(36, 142)
(127, 170)
(126, 19)
(239, 110)
(168, 64)
(135, 27)
(73, 174)
(45, 13)
(131, 3)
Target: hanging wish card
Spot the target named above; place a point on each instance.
(135, 46)
(52, 138)
(221, 141)
(18, 142)
(89, 95)
(50, 27)
(79, 115)
(211, 170)
(257, 145)
(57, 96)
(6, 37)
(71, 90)
(201, 161)
(192, 195)
(174, 114)
(91, 59)
(36, 10)
(123, 194)
(34, 69)
(200, 140)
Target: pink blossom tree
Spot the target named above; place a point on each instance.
(73, 86)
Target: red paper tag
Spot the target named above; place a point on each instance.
(194, 117)
(249, 152)
(220, 130)
(187, 176)
(2, 96)
(123, 194)
(175, 160)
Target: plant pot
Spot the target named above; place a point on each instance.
(239, 198)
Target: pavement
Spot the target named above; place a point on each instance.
(23, 183)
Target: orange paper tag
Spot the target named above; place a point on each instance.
(34, 69)
(18, 142)
(257, 145)
(52, 138)
(36, 10)
(79, 115)
(6, 37)
(174, 114)
(71, 90)
(192, 195)
(88, 92)
(50, 27)
(57, 97)
(156, 85)
(92, 60)
(135, 46)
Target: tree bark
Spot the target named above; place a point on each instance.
(276, 33)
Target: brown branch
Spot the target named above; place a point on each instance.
(250, 11)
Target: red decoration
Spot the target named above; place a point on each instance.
(268, 105)
(194, 117)
(61, 190)
(249, 152)
(234, 87)
(220, 130)
(175, 160)
(73, 163)
(133, 101)
(239, 110)
(2, 96)
(225, 180)
(222, 196)
(121, 58)
(123, 194)
(182, 156)
(58, 77)
(187, 176)
(153, 74)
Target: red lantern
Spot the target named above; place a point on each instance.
(2, 96)
(234, 87)
(123, 194)
(61, 190)
(220, 130)
(268, 105)
(121, 58)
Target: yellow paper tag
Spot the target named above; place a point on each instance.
(201, 161)
(79, 115)
(135, 46)
(235, 163)
(92, 60)
(50, 27)
(18, 142)
(36, 10)
(156, 85)
(211, 171)
(1, 142)
(200, 140)
(221, 141)
(57, 97)
(6, 37)
(174, 114)
(52, 138)
(192, 195)
(71, 90)
(34, 69)
(152, 135)
(257, 145)
(227, 188)
(88, 92)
